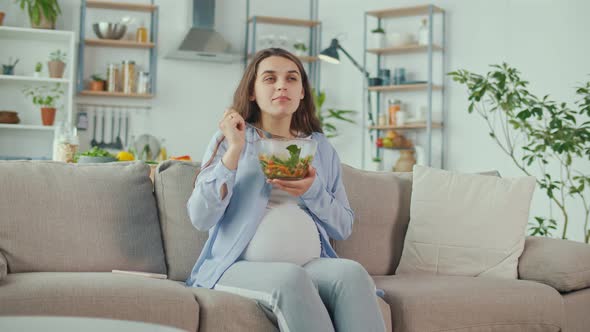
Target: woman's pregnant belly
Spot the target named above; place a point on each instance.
(285, 234)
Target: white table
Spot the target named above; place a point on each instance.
(71, 324)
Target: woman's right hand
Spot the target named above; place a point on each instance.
(233, 127)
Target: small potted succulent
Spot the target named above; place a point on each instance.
(56, 64)
(97, 83)
(8, 69)
(300, 48)
(378, 37)
(46, 97)
(38, 68)
(376, 164)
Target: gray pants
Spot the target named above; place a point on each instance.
(325, 294)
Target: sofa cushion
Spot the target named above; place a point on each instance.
(103, 295)
(223, 311)
(182, 241)
(576, 311)
(445, 303)
(465, 224)
(98, 217)
(563, 265)
(3, 266)
(381, 205)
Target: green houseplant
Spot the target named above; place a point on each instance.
(537, 133)
(46, 97)
(328, 115)
(56, 64)
(38, 68)
(43, 13)
(300, 48)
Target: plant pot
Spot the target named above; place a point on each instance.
(300, 53)
(36, 74)
(56, 69)
(96, 86)
(7, 70)
(48, 115)
(44, 23)
(2, 14)
(378, 40)
(406, 161)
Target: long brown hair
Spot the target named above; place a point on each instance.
(304, 119)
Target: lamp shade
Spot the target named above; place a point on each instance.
(330, 54)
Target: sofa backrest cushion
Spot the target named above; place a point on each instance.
(182, 241)
(381, 204)
(58, 217)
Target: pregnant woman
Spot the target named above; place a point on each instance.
(269, 240)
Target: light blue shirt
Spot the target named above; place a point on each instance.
(233, 220)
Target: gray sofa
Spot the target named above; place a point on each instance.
(64, 227)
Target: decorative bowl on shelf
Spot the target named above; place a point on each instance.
(286, 159)
(9, 117)
(108, 30)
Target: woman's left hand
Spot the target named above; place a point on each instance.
(295, 187)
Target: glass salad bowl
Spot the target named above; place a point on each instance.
(286, 159)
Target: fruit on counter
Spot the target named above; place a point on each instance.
(185, 158)
(125, 156)
(379, 142)
(392, 134)
(387, 142)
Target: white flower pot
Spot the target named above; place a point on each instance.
(377, 40)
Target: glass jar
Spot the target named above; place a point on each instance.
(143, 82)
(113, 78)
(393, 107)
(65, 143)
(128, 69)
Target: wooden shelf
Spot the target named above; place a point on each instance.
(403, 12)
(33, 79)
(120, 6)
(414, 48)
(118, 43)
(303, 58)
(406, 127)
(35, 35)
(114, 94)
(28, 127)
(284, 21)
(403, 87)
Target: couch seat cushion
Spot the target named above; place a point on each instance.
(445, 303)
(103, 295)
(223, 311)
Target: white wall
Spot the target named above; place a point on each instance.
(545, 39)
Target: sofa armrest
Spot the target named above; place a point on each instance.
(561, 264)
(3, 266)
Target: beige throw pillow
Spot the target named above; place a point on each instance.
(465, 224)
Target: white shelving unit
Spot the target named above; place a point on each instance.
(29, 138)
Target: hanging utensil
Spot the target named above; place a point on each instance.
(93, 142)
(118, 143)
(112, 143)
(102, 144)
(127, 127)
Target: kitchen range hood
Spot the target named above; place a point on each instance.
(202, 42)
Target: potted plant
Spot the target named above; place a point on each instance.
(378, 37)
(377, 164)
(540, 136)
(8, 69)
(38, 68)
(329, 129)
(300, 48)
(96, 83)
(43, 13)
(46, 97)
(56, 64)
